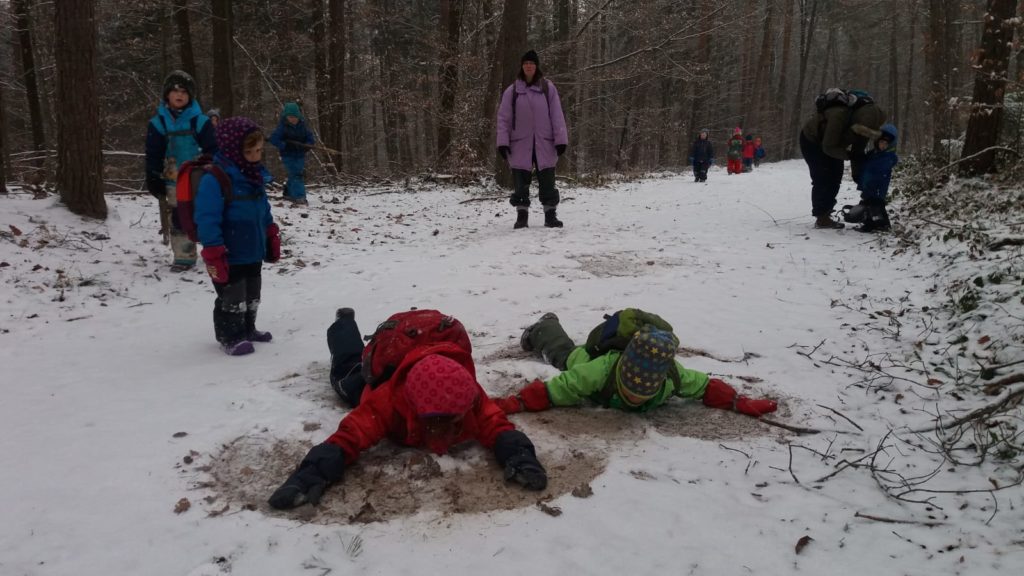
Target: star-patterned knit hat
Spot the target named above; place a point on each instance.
(231, 135)
(439, 386)
(644, 365)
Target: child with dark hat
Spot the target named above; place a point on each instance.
(643, 376)
(178, 132)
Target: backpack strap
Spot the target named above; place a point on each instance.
(223, 179)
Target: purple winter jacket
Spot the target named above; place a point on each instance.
(539, 124)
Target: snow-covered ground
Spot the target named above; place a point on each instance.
(117, 404)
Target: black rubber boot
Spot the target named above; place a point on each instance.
(551, 218)
(522, 218)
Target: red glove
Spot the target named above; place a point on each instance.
(216, 259)
(509, 405)
(532, 398)
(720, 395)
(273, 244)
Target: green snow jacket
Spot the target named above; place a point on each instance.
(586, 377)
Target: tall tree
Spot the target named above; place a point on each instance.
(451, 19)
(991, 63)
(188, 59)
(761, 88)
(3, 143)
(514, 22)
(223, 65)
(938, 69)
(321, 80)
(79, 134)
(907, 133)
(334, 69)
(780, 91)
(22, 10)
(807, 26)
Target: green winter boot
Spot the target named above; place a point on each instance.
(549, 338)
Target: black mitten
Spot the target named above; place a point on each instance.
(322, 466)
(516, 454)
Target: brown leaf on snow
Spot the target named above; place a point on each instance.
(934, 382)
(182, 506)
(802, 543)
(15, 230)
(984, 340)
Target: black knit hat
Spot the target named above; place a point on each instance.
(530, 56)
(180, 79)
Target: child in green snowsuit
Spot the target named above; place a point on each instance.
(641, 377)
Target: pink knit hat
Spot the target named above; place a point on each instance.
(439, 386)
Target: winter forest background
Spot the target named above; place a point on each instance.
(410, 88)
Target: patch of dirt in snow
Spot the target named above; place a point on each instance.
(627, 264)
(391, 481)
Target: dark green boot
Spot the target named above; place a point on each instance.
(549, 338)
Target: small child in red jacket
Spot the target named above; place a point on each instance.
(748, 153)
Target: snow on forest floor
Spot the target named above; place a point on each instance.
(131, 444)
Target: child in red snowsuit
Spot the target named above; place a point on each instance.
(431, 401)
(748, 153)
(735, 154)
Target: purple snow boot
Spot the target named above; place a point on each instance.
(260, 336)
(239, 348)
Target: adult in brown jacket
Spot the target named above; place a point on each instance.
(838, 131)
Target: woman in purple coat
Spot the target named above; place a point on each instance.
(532, 134)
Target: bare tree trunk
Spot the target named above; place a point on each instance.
(492, 91)
(23, 22)
(3, 144)
(784, 146)
(334, 113)
(320, 66)
(223, 65)
(907, 127)
(188, 59)
(702, 59)
(894, 68)
(992, 63)
(451, 17)
(513, 45)
(807, 25)
(761, 88)
(79, 134)
(937, 71)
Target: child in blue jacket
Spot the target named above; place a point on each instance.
(294, 140)
(238, 233)
(176, 134)
(874, 181)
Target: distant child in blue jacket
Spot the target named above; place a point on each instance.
(874, 180)
(238, 233)
(294, 140)
(176, 134)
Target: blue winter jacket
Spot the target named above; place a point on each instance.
(241, 224)
(876, 174)
(181, 136)
(285, 132)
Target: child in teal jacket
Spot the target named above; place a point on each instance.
(641, 377)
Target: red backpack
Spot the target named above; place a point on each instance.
(404, 332)
(187, 185)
